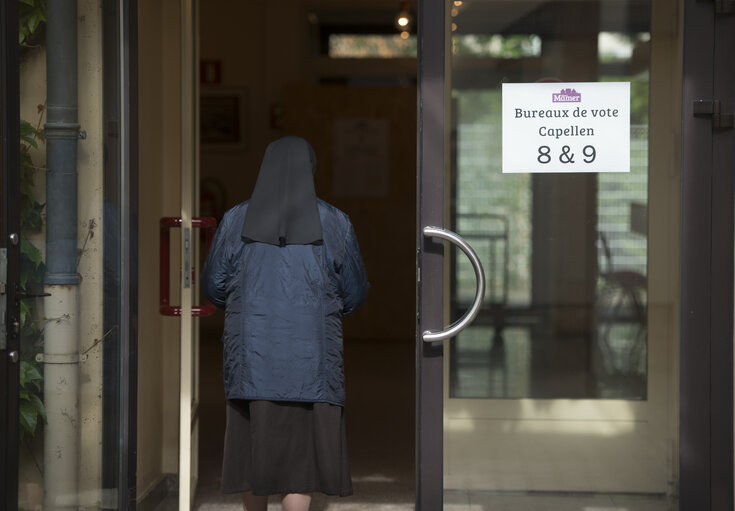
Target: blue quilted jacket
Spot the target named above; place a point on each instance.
(283, 308)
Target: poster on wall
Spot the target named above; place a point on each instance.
(566, 127)
(360, 157)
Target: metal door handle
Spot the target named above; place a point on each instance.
(469, 316)
(209, 224)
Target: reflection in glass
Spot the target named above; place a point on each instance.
(565, 255)
(70, 401)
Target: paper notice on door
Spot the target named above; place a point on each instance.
(566, 127)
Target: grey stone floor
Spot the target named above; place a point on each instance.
(456, 501)
(380, 428)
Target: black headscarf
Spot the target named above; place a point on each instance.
(283, 208)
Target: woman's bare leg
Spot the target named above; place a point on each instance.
(252, 502)
(296, 501)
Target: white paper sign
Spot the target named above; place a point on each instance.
(566, 127)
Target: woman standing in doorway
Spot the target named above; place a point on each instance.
(285, 266)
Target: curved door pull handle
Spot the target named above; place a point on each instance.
(469, 316)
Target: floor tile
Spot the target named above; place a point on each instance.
(645, 503)
(481, 501)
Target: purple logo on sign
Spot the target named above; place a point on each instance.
(567, 96)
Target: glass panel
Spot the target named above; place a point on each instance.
(362, 46)
(567, 372)
(568, 275)
(72, 350)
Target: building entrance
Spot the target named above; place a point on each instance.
(598, 370)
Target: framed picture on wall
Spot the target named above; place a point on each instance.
(223, 119)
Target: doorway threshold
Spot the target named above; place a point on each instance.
(210, 499)
(464, 500)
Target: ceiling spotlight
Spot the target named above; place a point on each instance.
(403, 19)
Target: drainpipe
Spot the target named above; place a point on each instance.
(61, 334)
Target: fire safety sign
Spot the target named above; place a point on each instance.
(566, 127)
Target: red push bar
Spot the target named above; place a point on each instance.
(209, 225)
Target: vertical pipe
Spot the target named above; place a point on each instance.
(61, 350)
(62, 133)
(61, 390)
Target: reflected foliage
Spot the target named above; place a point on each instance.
(498, 46)
(32, 15)
(31, 281)
(381, 46)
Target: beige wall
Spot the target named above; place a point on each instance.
(159, 196)
(664, 223)
(90, 164)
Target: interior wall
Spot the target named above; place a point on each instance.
(270, 63)
(256, 45)
(377, 189)
(159, 196)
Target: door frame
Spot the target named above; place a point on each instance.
(189, 340)
(706, 370)
(706, 413)
(431, 161)
(128, 404)
(9, 223)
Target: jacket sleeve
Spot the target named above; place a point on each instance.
(216, 272)
(354, 284)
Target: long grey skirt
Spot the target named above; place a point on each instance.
(285, 447)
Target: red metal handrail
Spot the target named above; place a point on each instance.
(209, 225)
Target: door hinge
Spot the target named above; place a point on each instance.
(712, 108)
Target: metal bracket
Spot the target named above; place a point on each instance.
(712, 108)
(187, 257)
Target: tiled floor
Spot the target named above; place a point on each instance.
(459, 501)
(380, 431)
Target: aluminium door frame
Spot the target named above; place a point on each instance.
(708, 164)
(10, 223)
(127, 482)
(431, 157)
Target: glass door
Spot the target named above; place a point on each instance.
(67, 197)
(568, 363)
(564, 391)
